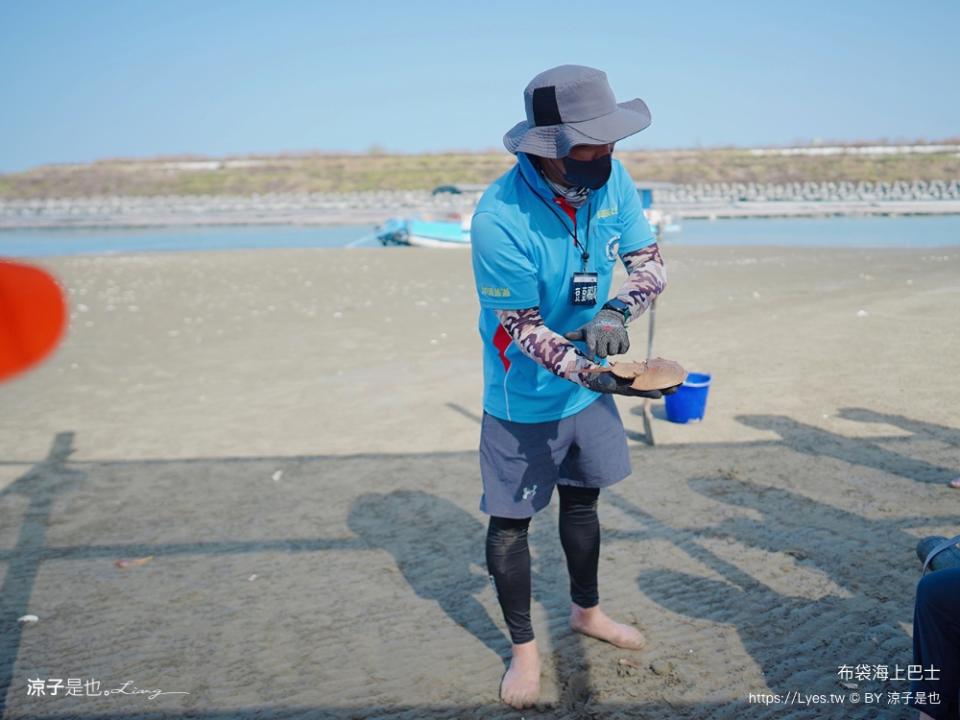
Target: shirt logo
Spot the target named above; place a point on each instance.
(613, 244)
(606, 212)
(495, 291)
(529, 492)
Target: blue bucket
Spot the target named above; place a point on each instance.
(689, 402)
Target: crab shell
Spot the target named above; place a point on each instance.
(654, 374)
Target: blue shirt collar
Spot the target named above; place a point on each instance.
(532, 176)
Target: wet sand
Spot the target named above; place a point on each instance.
(291, 435)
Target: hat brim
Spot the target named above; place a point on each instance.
(555, 141)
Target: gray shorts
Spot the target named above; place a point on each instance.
(520, 463)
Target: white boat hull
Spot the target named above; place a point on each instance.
(421, 241)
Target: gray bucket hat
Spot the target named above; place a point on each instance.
(573, 105)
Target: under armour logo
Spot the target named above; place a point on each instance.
(529, 492)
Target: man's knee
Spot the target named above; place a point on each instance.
(939, 592)
(507, 534)
(574, 497)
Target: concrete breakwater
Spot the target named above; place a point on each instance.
(812, 191)
(799, 199)
(269, 209)
(696, 200)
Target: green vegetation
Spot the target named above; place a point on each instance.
(376, 171)
(713, 166)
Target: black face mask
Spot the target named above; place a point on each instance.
(592, 174)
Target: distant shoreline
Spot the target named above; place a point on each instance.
(331, 210)
(320, 173)
(323, 190)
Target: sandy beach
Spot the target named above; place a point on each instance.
(277, 429)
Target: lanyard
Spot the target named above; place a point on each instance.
(584, 255)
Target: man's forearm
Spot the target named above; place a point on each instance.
(545, 347)
(646, 279)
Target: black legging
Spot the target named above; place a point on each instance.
(508, 557)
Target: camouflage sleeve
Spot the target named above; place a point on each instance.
(544, 346)
(647, 279)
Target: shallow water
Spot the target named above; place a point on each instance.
(110, 241)
(892, 232)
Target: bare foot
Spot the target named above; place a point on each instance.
(955, 483)
(595, 623)
(520, 686)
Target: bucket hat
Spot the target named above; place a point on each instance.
(573, 105)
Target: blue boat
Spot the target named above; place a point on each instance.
(425, 233)
(454, 231)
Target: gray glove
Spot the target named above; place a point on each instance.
(605, 335)
(609, 383)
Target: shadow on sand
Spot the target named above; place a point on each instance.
(438, 548)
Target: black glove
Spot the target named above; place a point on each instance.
(605, 335)
(607, 382)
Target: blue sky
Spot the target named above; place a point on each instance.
(82, 80)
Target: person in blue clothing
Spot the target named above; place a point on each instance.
(545, 238)
(935, 690)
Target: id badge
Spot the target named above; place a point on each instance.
(583, 288)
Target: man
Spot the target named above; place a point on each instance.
(545, 238)
(936, 646)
